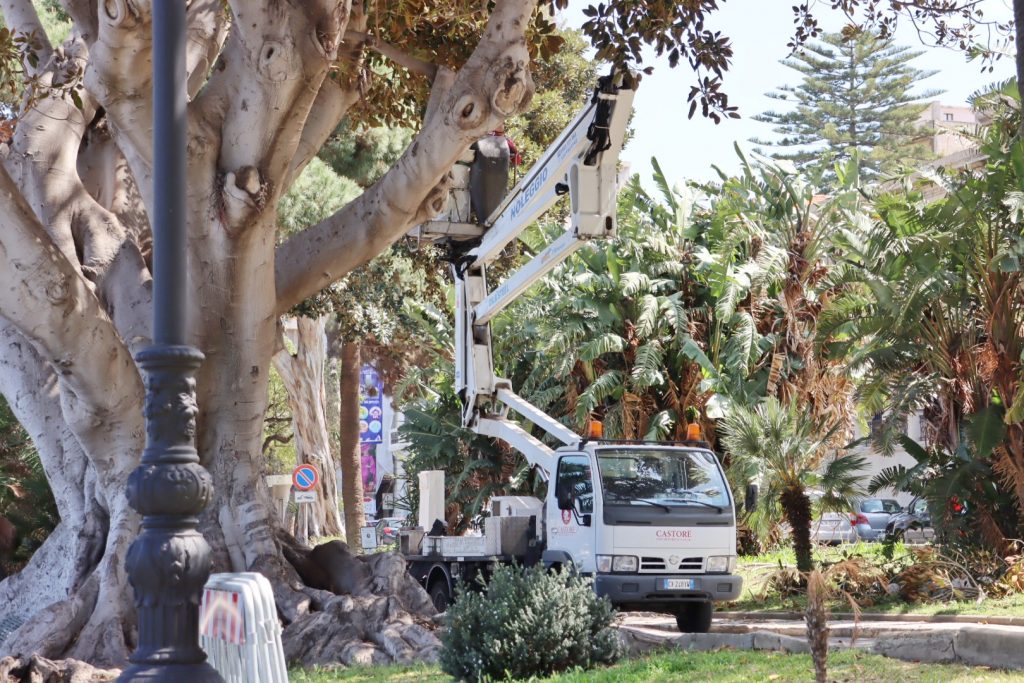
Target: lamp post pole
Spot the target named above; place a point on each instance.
(169, 563)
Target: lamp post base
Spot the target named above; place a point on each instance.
(169, 563)
(200, 672)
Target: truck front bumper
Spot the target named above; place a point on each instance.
(647, 592)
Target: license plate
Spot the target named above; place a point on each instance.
(677, 584)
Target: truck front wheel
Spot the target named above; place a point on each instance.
(694, 617)
(440, 595)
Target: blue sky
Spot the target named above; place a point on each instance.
(759, 30)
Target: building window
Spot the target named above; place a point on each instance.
(949, 117)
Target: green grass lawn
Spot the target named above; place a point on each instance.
(726, 666)
(369, 674)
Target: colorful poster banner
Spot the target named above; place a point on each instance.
(371, 406)
(368, 460)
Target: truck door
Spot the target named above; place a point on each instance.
(571, 520)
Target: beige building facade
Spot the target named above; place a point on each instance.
(949, 129)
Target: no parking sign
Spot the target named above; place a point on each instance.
(305, 477)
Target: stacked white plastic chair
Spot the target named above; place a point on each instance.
(239, 630)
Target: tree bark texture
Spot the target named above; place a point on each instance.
(75, 249)
(797, 508)
(303, 377)
(348, 439)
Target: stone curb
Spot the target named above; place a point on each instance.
(929, 648)
(640, 641)
(1000, 647)
(866, 616)
(996, 646)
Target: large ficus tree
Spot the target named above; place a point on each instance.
(268, 82)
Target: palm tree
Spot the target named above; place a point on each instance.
(939, 299)
(790, 451)
(773, 265)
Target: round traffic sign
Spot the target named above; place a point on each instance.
(305, 477)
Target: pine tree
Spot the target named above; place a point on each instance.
(856, 93)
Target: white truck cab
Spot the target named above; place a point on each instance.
(653, 523)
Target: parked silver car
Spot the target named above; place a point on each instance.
(832, 528)
(873, 515)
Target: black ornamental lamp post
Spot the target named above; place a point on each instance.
(169, 563)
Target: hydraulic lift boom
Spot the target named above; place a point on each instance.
(581, 163)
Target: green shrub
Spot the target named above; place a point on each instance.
(527, 623)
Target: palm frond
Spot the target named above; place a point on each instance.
(609, 342)
(647, 317)
(647, 366)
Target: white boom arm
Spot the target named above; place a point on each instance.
(582, 163)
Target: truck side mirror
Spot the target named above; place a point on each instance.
(582, 518)
(750, 499)
(564, 497)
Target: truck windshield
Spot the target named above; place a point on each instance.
(664, 477)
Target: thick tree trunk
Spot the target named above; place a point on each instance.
(76, 186)
(348, 430)
(81, 563)
(304, 379)
(797, 508)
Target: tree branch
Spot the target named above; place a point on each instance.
(261, 98)
(48, 153)
(274, 438)
(207, 31)
(43, 161)
(122, 44)
(54, 306)
(419, 66)
(84, 14)
(332, 101)
(114, 77)
(331, 104)
(495, 83)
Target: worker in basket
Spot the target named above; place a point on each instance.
(493, 158)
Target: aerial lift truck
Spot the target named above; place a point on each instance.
(653, 523)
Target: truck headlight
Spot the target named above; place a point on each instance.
(720, 564)
(625, 563)
(622, 564)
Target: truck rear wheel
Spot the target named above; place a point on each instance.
(694, 617)
(440, 595)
